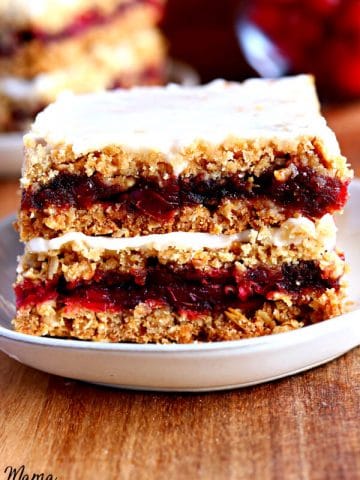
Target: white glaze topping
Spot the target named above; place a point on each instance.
(168, 119)
(293, 231)
(180, 240)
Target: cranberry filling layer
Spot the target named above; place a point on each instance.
(10, 42)
(186, 290)
(305, 191)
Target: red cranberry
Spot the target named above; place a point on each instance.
(186, 290)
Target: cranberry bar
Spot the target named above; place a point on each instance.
(81, 46)
(181, 214)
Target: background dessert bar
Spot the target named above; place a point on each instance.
(81, 46)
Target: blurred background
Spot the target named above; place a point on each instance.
(238, 38)
(203, 34)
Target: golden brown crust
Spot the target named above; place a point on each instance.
(232, 216)
(146, 324)
(44, 161)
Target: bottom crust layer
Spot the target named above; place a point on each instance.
(149, 323)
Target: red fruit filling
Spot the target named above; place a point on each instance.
(185, 290)
(306, 191)
(10, 42)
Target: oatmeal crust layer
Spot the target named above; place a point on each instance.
(44, 161)
(232, 216)
(145, 324)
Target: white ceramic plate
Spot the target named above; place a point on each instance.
(197, 367)
(11, 144)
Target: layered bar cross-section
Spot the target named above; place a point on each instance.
(181, 214)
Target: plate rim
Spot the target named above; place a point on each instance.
(301, 335)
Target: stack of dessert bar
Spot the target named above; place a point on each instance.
(178, 214)
(48, 46)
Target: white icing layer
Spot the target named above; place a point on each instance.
(294, 231)
(168, 119)
(180, 240)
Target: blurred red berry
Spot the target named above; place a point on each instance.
(349, 20)
(322, 7)
(313, 36)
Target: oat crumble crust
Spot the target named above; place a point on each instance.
(116, 164)
(76, 261)
(232, 216)
(161, 325)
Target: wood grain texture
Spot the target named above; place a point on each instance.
(301, 428)
(304, 427)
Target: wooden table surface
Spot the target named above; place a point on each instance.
(299, 428)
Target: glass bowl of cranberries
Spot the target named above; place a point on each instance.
(322, 37)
